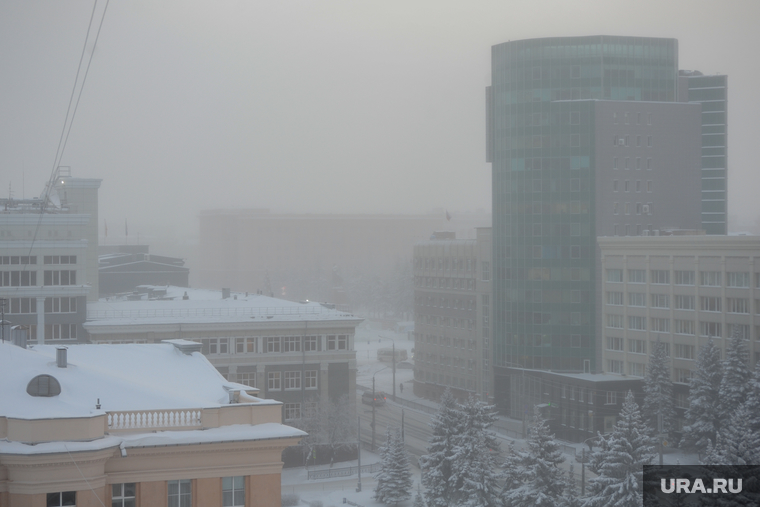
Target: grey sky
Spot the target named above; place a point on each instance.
(319, 106)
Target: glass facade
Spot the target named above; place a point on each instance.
(542, 145)
(711, 92)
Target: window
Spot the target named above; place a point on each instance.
(682, 400)
(636, 299)
(615, 208)
(291, 344)
(487, 270)
(615, 163)
(243, 345)
(215, 345)
(614, 343)
(682, 375)
(741, 329)
(18, 278)
(123, 495)
(233, 491)
(660, 301)
(737, 279)
(710, 303)
(272, 343)
(60, 305)
(627, 186)
(636, 369)
(637, 276)
(248, 379)
(64, 277)
(682, 351)
(614, 185)
(637, 346)
(64, 498)
(58, 259)
(638, 143)
(649, 162)
(710, 329)
(180, 493)
(311, 343)
(649, 185)
(638, 185)
(292, 380)
(615, 321)
(614, 366)
(292, 411)
(614, 275)
(636, 322)
(310, 380)
(684, 277)
(660, 276)
(660, 325)
(683, 327)
(611, 398)
(22, 305)
(684, 302)
(273, 381)
(737, 305)
(60, 331)
(710, 278)
(615, 298)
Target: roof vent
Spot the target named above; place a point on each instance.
(61, 356)
(225, 293)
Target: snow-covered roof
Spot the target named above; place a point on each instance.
(122, 377)
(203, 306)
(231, 433)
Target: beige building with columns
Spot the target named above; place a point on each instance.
(148, 425)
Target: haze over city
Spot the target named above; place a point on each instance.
(312, 107)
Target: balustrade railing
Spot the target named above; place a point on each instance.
(154, 419)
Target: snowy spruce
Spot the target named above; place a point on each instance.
(394, 480)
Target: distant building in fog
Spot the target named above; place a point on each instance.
(124, 267)
(294, 255)
(48, 258)
(296, 353)
(452, 312)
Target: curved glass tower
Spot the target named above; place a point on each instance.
(544, 132)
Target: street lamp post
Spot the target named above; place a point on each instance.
(393, 364)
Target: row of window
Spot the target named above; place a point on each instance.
(60, 259)
(434, 301)
(444, 360)
(740, 279)
(641, 208)
(179, 494)
(445, 283)
(273, 344)
(279, 380)
(435, 320)
(445, 263)
(29, 278)
(445, 341)
(679, 326)
(682, 302)
(18, 259)
(680, 375)
(618, 140)
(631, 185)
(680, 351)
(626, 117)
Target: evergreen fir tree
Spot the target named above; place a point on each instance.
(703, 416)
(394, 481)
(436, 464)
(736, 375)
(418, 501)
(571, 498)
(658, 391)
(619, 464)
(542, 481)
(753, 399)
(737, 444)
(473, 464)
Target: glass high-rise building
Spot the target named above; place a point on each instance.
(587, 138)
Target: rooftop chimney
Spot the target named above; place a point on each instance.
(225, 293)
(60, 356)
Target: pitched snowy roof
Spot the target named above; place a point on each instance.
(203, 306)
(122, 377)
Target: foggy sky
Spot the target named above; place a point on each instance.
(311, 106)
